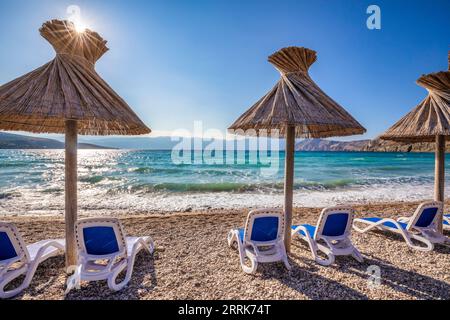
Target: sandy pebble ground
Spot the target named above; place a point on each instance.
(193, 261)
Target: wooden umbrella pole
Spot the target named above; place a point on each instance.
(71, 191)
(289, 184)
(439, 173)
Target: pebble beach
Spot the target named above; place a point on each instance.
(192, 261)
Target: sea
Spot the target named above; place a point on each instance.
(147, 181)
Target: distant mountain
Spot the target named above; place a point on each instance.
(376, 145)
(391, 146)
(159, 143)
(142, 143)
(16, 141)
(330, 145)
(166, 143)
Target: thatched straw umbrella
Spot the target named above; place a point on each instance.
(296, 107)
(429, 121)
(67, 96)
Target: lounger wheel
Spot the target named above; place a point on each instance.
(9, 278)
(253, 266)
(112, 278)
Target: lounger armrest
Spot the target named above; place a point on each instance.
(141, 241)
(50, 243)
(301, 228)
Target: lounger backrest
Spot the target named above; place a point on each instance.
(264, 226)
(99, 237)
(12, 246)
(426, 215)
(334, 222)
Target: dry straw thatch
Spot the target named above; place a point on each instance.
(431, 117)
(297, 101)
(67, 88)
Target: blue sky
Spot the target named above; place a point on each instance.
(175, 62)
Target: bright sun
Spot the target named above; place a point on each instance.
(80, 27)
(74, 13)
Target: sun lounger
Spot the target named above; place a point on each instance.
(421, 226)
(262, 239)
(102, 240)
(17, 258)
(331, 236)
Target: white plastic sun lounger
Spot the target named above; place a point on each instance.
(17, 258)
(262, 239)
(102, 239)
(334, 229)
(421, 226)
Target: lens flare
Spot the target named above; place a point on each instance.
(74, 13)
(80, 27)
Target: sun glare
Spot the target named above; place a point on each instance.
(74, 13)
(80, 27)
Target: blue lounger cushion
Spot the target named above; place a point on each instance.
(7, 250)
(335, 225)
(263, 229)
(309, 228)
(100, 240)
(241, 234)
(386, 224)
(427, 217)
(447, 215)
(446, 223)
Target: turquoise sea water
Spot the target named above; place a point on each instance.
(32, 181)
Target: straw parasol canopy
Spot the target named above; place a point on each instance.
(296, 100)
(429, 121)
(67, 96)
(296, 107)
(429, 118)
(67, 88)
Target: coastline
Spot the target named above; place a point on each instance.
(193, 261)
(110, 181)
(201, 203)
